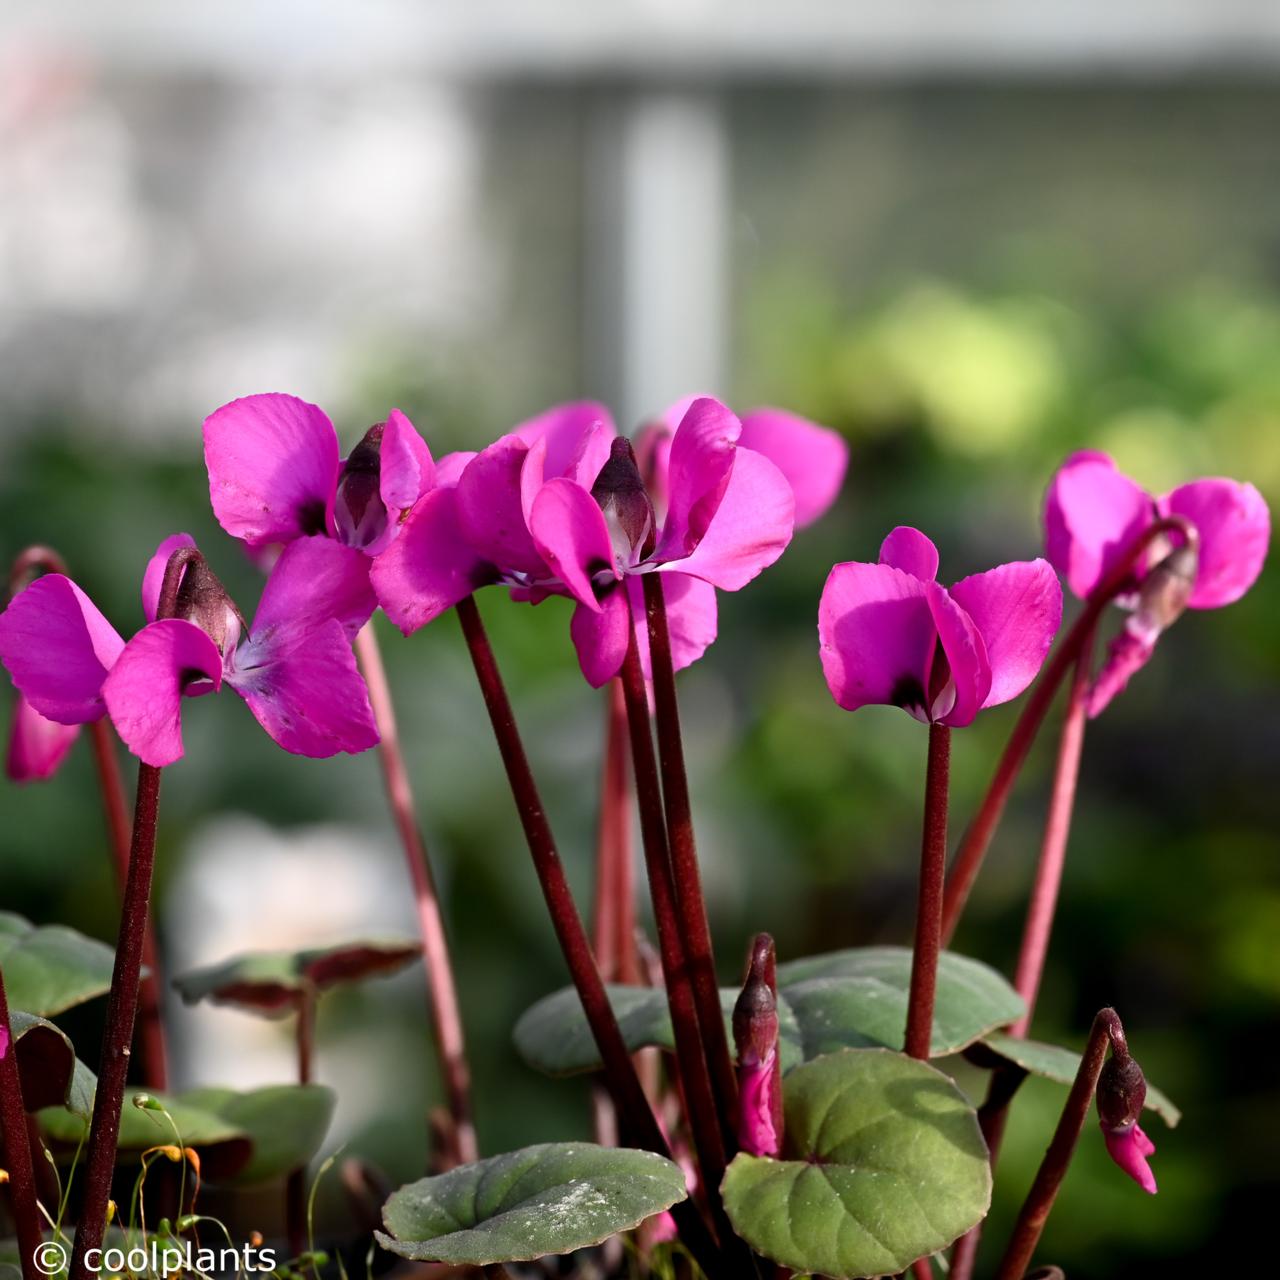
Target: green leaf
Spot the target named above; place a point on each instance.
(547, 1199)
(885, 1164)
(848, 999)
(272, 983)
(50, 968)
(1053, 1062)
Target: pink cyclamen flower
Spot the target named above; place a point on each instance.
(891, 634)
(755, 1036)
(1093, 513)
(37, 745)
(557, 507)
(294, 668)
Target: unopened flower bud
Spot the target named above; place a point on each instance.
(620, 493)
(1121, 1092)
(204, 601)
(755, 1035)
(358, 510)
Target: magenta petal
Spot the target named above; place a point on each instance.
(305, 689)
(36, 746)
(757, 1109)
(600, 637)
(273, 468)
(813, 458)
(577, 436)
(490, 512)
(701, 461)
(144, 689)
(877, 636)
(571, 536)
(1017, 608)
(1235, 528)
(430, 566)
(961, 697)
(449, 469)
(58, 648)
(911, 551)
(1129, 1148)
(1128, 652)
(691, 618)
(315, 579)
(1091, 514)
(405, 468)
(751, 528)
(153, 577)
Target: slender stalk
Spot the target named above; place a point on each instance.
(977, 839)
(442, 990)
(16, 1150)
(1053, 1168)
(614, 909)
(295, 1187)
(933, 863)
(122, 1002)
(634, 1111)
(690, 902)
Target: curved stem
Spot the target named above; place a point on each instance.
(933, 863)
(16, 1148)
(441, 988)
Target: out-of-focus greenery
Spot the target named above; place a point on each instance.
(957, 406)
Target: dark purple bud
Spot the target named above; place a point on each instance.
(1165, 590)
(204, 601)
(358, 510)
(755, 1035)
(1122, 1091)
(620, 493)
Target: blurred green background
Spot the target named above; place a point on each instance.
(969, 281)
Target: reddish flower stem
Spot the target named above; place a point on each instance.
(16, 1149)
(933, 863)
(1053, 1168)
(614, 910)
(295, 1188)
(122, 1002)
(441, 988)
(977, 839)
(634, 1112)
(690, 903)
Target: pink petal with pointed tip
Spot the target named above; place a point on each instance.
(430, 566)
(911, 551)
(153, 577)
(1017, 608)
(813, 458)
(490, 512)
(570, 533)
(1235, 529)
(576, 434)
(273, 468)
(1128, 652)
(751, 528)
(691, 618)
(964, 694)
(306, 691)
(701, 462)
(406, 469)
(37, 746)
(315, 579)
(144, 689)
(600, 637)
(449, 469)
(1129, 1148)
(58, 648)
(1091, 513)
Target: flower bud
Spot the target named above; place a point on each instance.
(1121, 1092)
(620, 493)
(1165, 591)
(358, 510)
(204, 601)
(755, 1035)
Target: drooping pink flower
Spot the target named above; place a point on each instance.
(557, 508)
(891, 634)
(1129, 1147)
(1093, 513)
(755, 1035)
(1121, 1095)
(294, 667)
(37, 745)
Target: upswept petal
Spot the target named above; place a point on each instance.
(490, 513)
(1235, 528)
(701, 462)
(1091, 513)
(315, 579)
(691, 618)
(449, 469)
(306, 691)
(570, 533)
(877, 636)
(911, 551)
(965, 692)
(37, 746)
(751, 528)
(1017, 609)
(153, 577)
(406, 469)
(577, 436)
(430, 566)
(273, 468)
(600, 636)
(144, 689)
(813, 458)
(58, 648)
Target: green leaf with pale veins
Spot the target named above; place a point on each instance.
(50, 968)
(884, 1163)
(1053, 1062)
(549, 1199)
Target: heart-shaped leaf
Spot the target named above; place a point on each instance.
(50, 968)
(547, 1199)
(885, 1164)
(272, 983)
(849, 999)
(51, 1074)
(1053, 1062)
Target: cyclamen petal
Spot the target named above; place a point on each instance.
(491, 511)
(315, 579)
(1129, 1147)
(813, 458)
(960, 698)
(911, 551)
(37, 746)
(600, 636)
(691, 618)
(1235, 530)
(576, 436)
(58, 648)
(701, 460)
(153, 577)
(406, 469)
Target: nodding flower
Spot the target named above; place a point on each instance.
(755, 1035)
(294, 666)
(1121, 1093)
(891, 634)
(1093, 514)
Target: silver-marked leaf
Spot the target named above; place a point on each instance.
(549, 1199)
(1053, 1062)
(50, 968)
(884, 1163)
